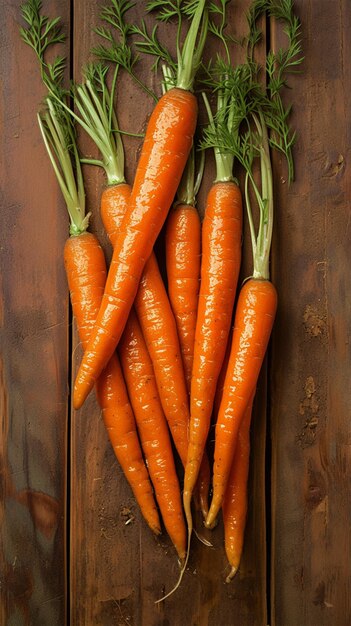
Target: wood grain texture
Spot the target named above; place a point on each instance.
(34, 351)
(311, 363)
(118, 569)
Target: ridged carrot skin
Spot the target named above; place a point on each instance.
(153, 430)
(183, 260)
(113, 207)
(86, 274)
(254, 318)
(165, 151)
(235, 499)
(221, 257)
(159, 329)
(221, 378)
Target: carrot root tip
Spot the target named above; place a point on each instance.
(231, 574)
(211, 524)
(203, 540)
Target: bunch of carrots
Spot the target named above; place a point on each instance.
(166, 360)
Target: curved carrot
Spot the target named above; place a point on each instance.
(140, 378)
(221, 256)
(86, 274)
(183, 248)
(165, 150)
(153, 430)
(253, 324)
(235, 499)
(159, 329)
(113, 206)
(158, 325)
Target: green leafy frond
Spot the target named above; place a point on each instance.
(40, 33)
(166, 9)
(148, 43)
(116, 48)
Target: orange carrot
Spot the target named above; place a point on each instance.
(166, 147)
(153, 430)
(235, 499)
(113, 206)
(86, 274)
(183, 247)
(221, 378)
(221, 255)
(159, 329)
(158, 325)
(142, 387)
(254, 319)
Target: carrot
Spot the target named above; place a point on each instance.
(141, 382)
(113, 206)
(159, 329)
(254, 319)
(221, 254)
(153, 431)
(183, 260)
(235, 499)
(221, 378)
(183, 243)
(86, 275)
(220, 264)
(165, 150)
(115, 197)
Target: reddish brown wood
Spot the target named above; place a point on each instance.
(311, 355)
(34, 350)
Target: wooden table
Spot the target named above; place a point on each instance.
(73, 548)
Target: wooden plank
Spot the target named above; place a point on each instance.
(34, 355)
(311, 355)
(118, 570)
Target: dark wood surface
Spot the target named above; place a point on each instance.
(310, 366)
(34, 350)
(74, 549)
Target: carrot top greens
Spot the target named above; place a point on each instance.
(116, 48)
(65, 161)
(259, 119)
(55, 121)
(40, 34)
(188, 53)
(94, 102)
